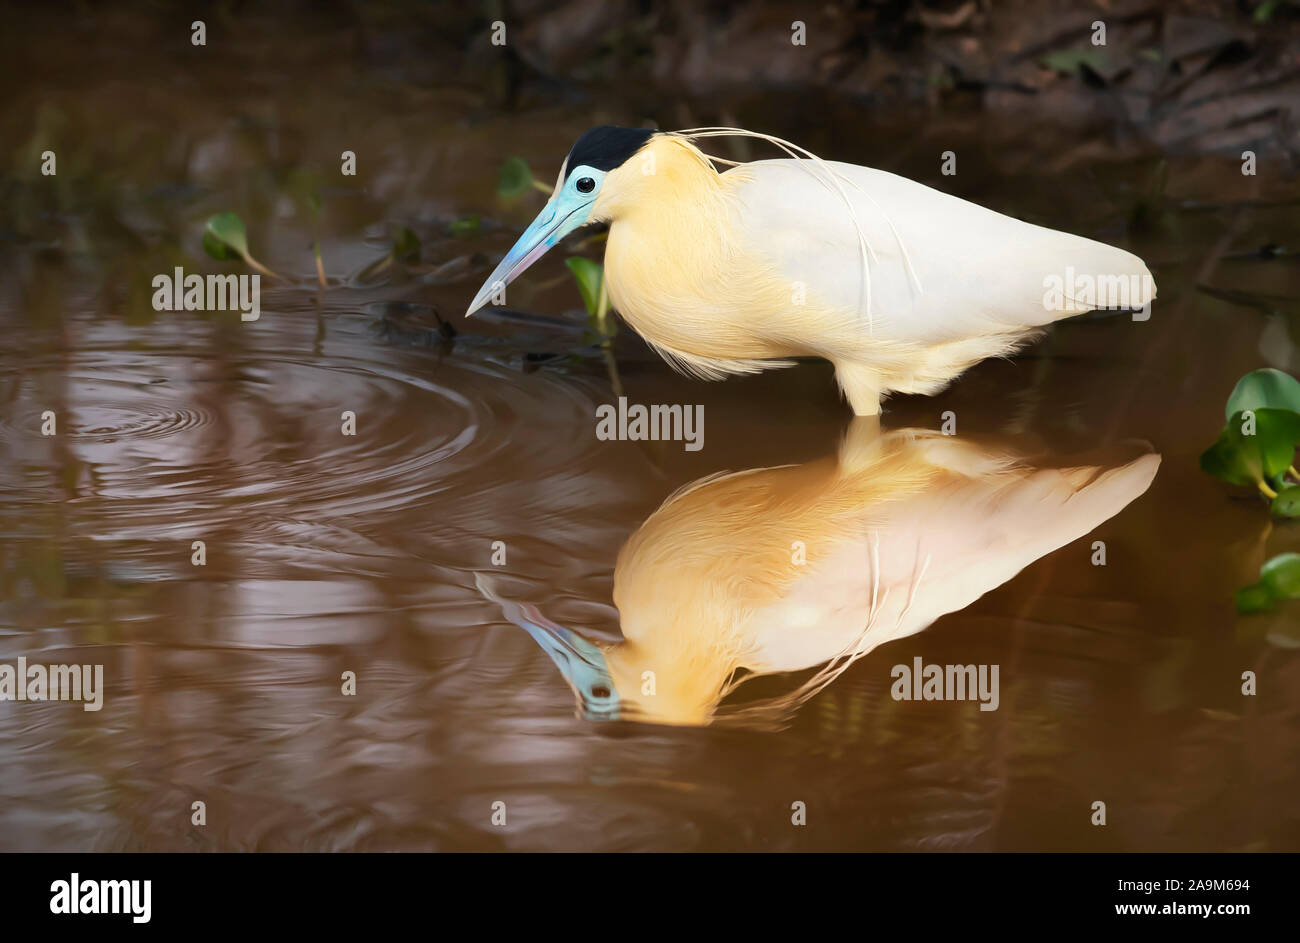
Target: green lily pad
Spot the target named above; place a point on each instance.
(588, 274)
(516, 179)
(1266, 388)
(1248, 459)
(1287, 502)
(1253, 599)
(1281, 576)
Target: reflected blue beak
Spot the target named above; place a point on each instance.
(582, 663)
(562, 214)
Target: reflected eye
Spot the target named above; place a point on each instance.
(599, 691)
(586, 184)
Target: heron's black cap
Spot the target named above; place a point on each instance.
(606, 147)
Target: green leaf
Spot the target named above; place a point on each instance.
(1227, 461)
(1281, 576)
(215, 247)
(588, 274)
(1287, 502)
(227, 229)
(516, 179)
(1277, 433)
(1266, 388)
(406, 247)
(1069, 60)
(1242, 459)
(1264, 12)
(1252, 599)
(465, 227)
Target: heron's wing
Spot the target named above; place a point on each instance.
(941, 268)
(979, 534)
(939, 551)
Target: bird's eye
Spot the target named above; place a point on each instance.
(599, 691)
(586, 184)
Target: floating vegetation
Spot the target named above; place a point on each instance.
(224, 236)
(1279, 579)
(601, 329)
(1256, 448)
(517, 179)
(590, 277)
(465, 227)
(406, 246)
(1069, 61)
(405, 249)
(313, 201)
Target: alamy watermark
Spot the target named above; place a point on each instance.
(921, 682)
(1081, 291)
(26, 682)
(75, 896)
(638, 423)
(181, 292)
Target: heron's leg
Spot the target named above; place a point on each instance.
(861, 445)
(861, 386)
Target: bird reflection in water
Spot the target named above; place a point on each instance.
(813, 566)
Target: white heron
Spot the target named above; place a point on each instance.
(900, 286)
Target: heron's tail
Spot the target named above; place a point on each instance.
(1082, 275)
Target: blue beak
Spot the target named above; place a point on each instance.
(562, 214)
(582, 663)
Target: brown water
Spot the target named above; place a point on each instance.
(329, 553)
